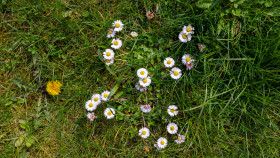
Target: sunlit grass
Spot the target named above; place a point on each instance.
(228, 103)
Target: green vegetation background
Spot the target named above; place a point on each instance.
(229, 103)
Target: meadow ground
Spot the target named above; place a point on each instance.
(228, 104)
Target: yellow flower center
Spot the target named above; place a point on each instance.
(185, 36)
(90, 105)
(172, 128)
(133, 35)
(146, 149)
(144, 132)
(105, 95)
(108, 61)
(116, 43)
(162, 142)
(180, 138)
(109, 113)
(200, 47)
(95, 99)
(176, 73)
(108, 53)
(110, 32)
(168, 62)
(172, 110)
(142, 72)
(188, 59)
(189, 29)
(145, 80)
(117, 25)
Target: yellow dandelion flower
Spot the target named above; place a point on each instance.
(53, 87)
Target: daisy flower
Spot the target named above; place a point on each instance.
(187, 59)
(189, 65)
(90, 106)
(145, 82)
(91, 116)
(180, 139)
(104, 95)
(172, 110)
(144, 132)
(134, 34)
(108, 54)
(118, 25)
(183, 37)
(96, 99)
(188, 29)
(146, 148)
(149, 15)
(53, 87)
(109, 61)
(140, 88)
(111, 33)
(116, 44)
(175, 73)
(172, 128)
(201, 47)
(158, 148)
(146, 108)
(161, 143)
(169, 62)
(109, 113)
(142, 73)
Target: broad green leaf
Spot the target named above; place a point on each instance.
(118, 95)
(19, 141)
(205, 4)
(113, 91)
(273, 11)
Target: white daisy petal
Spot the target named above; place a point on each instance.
(172, 110)
(91, 116)
(180, 139)
(134, 34)
(118, 25)
(161, 143)
(188, 29)
(96, 99)
(189, 65)
(142, 73)
(109, 61)
(111, 33)
(144, 132)
(145, 82)
(140, 88)
(109, 113)
(116, 44)
(90, 105)
(169, 62)
(183, 37)
(172, 128)
(146, 108)
(175, 73)
(108, 54)
(105, 95)
(186, 59)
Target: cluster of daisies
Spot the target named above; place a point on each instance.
(115, 44)
(175, 72)
(144, 79)
(186, 34)
(93, 103)
(172, 128)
